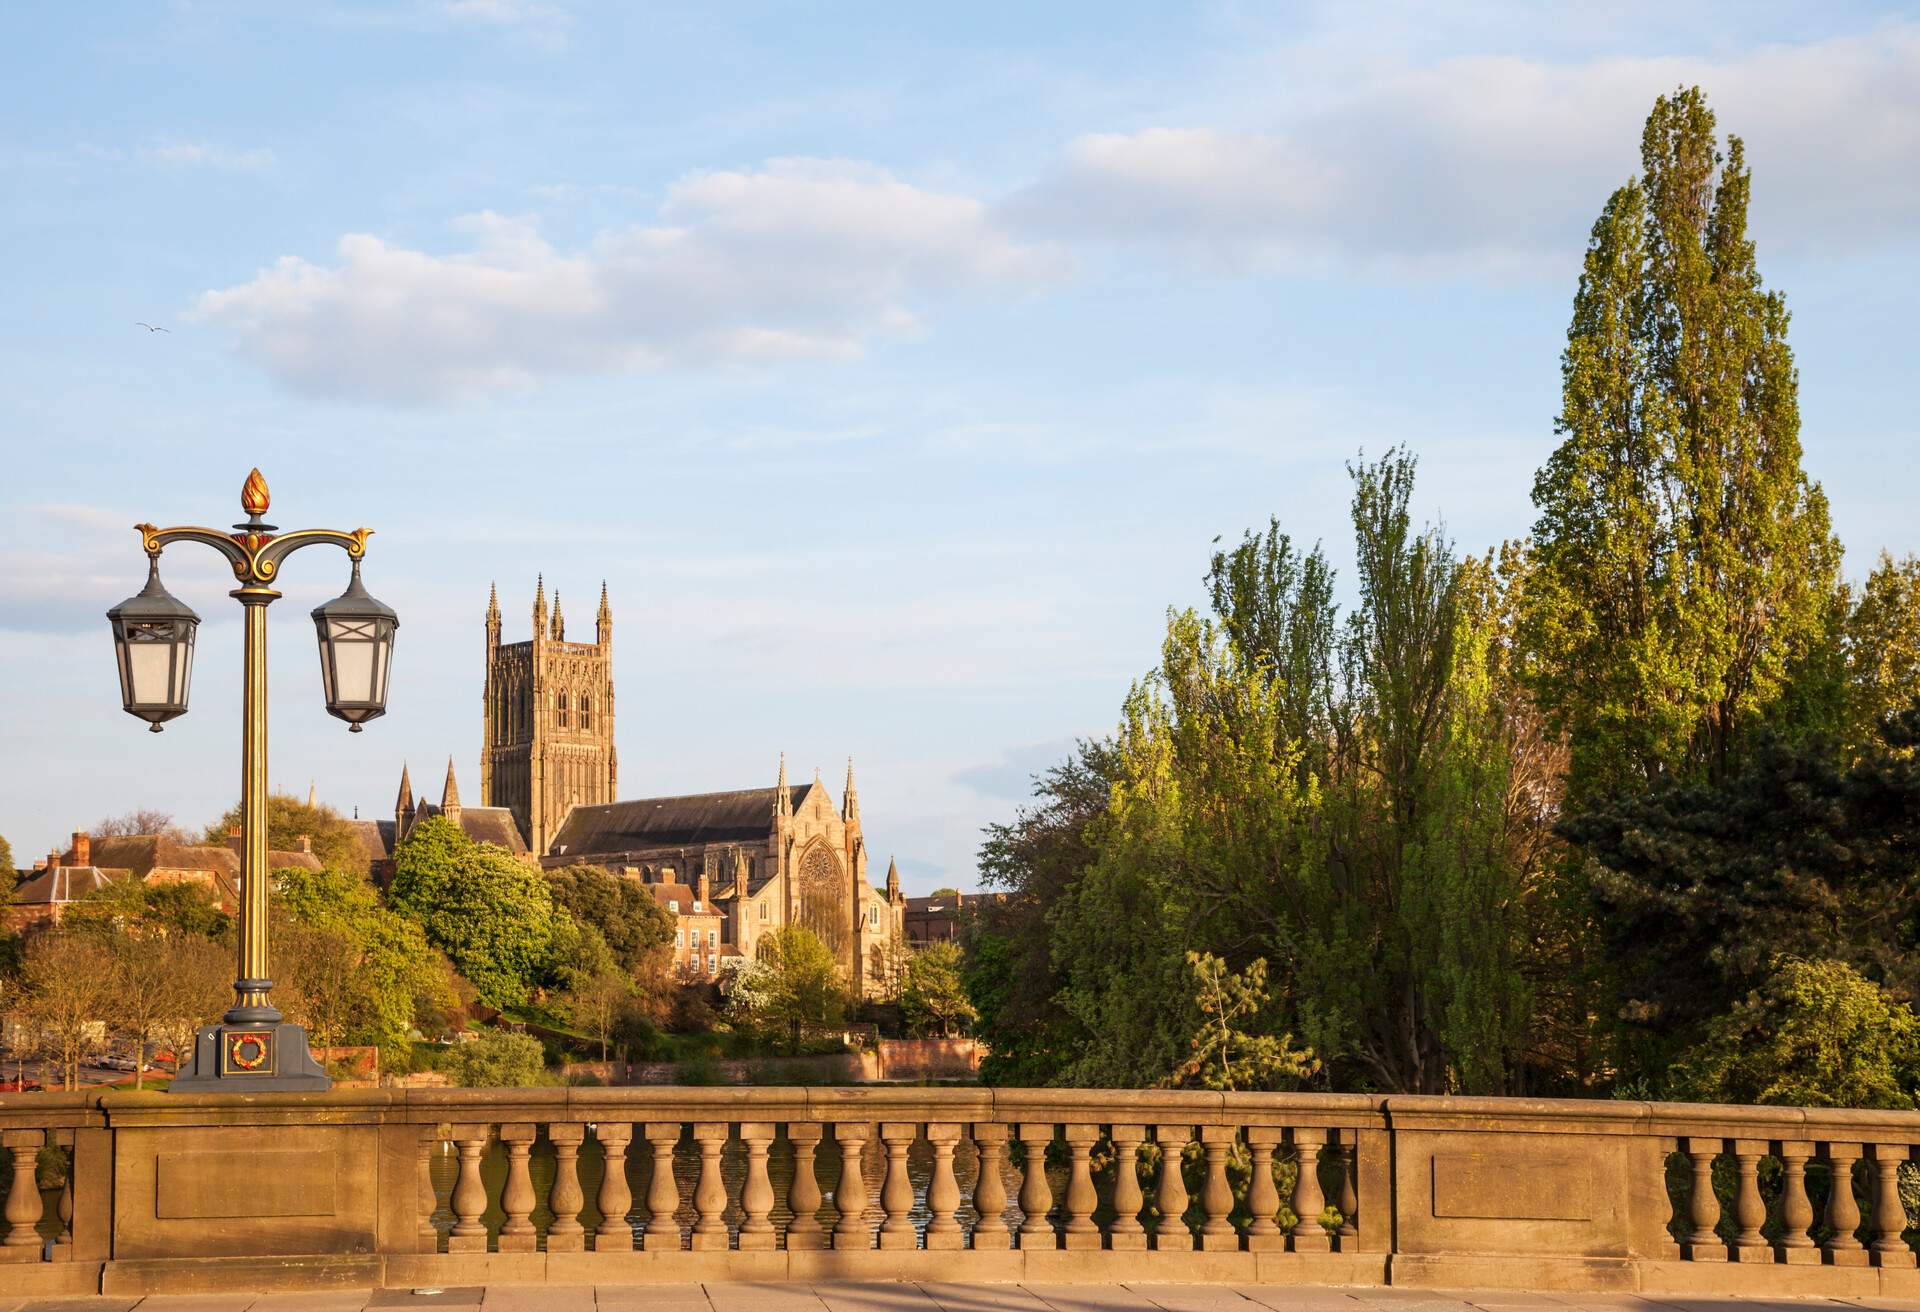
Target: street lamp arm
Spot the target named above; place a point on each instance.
(254, 556)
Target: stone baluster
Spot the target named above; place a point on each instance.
(1889, 1246)
(1796, 1212)
(1216, 1196)
(516, 1200)
(803, 1196)
(614, 1234)
(565, 1234)
(756, 1195)
(469, 1201)
(1080, 1232)
(1171, 1234)
(1703, 1209)
(24, 1207)
(1036, 1195)
(896, 1190)
(710, 1191)
(1126, 1233)
(1263, 1198)
(943, 1191)
(1309, 1236)
(1749, 1212)
(1843, 1248)
(989, 1189)
(425, 1200)
(1349, 1159)
(63, 1242)
(662, 1232)
(850, 1194)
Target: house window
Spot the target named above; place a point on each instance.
(713, 938)
(586, 711)
(873, 915)
(679, 938)
(712, 963)
(560, 704)
(696, 904)
(763, 911)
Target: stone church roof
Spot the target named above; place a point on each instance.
(483, 824)
(745, 815)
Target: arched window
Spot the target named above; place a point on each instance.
(560, 704)
(763, 911)
(586, 711)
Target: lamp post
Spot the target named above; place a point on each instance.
(153, 636)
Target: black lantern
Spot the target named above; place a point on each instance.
(153, 646)
(356, 652)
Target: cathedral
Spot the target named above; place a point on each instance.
(730, 867)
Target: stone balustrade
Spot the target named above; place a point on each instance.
(601, 1185)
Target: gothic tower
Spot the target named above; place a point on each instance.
(548, 720)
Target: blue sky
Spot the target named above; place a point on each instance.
(894, 365)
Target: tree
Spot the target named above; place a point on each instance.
(1685, 567)
(1815, 1034)
(634, 925)
(6, 865)
(500, 1059)
(141, 820)
(335, 844)
(1697, 892)
(598, 1002)
(161, 987)
(1882, 648)
(795, 984)
(1222, 1055)
(66, 981)
(945, 892)
(355, 971)
(931, 994)
(491, 914)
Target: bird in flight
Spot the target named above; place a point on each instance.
(150, 328)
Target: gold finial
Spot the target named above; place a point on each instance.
(253, 496)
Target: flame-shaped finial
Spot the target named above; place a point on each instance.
(253, 496)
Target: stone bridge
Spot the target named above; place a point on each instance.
(602, 1187)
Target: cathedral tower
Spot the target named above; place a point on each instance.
(548, 720)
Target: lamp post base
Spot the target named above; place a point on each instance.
(264, 1058)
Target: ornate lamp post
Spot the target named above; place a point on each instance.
(153, 634)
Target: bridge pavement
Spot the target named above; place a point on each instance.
(932, 1297)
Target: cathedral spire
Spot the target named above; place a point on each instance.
(493, 613)
(450, 795)
(403, 805)
(893, 879)
(559, 620)
(540, 607)
(850, 801)
(313, 796)
(603, 622)
(783, 796)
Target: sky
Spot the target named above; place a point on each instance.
(895, 366)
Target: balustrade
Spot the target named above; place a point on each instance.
(1034, 1180)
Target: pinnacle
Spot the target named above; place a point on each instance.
(450, 795)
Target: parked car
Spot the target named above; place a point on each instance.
(114, 1063)
(20, 1086)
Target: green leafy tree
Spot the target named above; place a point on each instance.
(932, 996)
(629, 919)
(1008, 964)
(1222, 1054)
(945, 892)
(1815, 1034)
(798, 984)
(1882, 648)
(1698, 891)
(6, 865)
(500, 1059)
(1685, 567)
(289, 819)
(490, 913)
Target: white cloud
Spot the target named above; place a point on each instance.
(802, 259)
(1494, 162)
(205, 155)
(545, 25)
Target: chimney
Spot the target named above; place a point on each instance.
(53, 861)
(703, 891)
(306, 844)
(82, 848)
(233, 837)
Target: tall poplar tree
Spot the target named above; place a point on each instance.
(1684, 563)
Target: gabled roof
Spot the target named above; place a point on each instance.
(64, 884)
(376, 838)
(140, 854)
(745, 815)
(483, 824)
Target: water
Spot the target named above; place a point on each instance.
(444, 1168)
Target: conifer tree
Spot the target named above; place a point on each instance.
(1684, 560)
